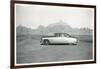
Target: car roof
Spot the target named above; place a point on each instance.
(60, 33)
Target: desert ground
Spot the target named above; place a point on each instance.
(29, 50)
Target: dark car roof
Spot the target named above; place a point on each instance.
(54, 34)
(60, 33)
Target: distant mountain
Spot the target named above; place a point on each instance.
(22, 30)
(58, 27)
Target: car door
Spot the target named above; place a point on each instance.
(59, 40)
(63, 39)
(55, 40)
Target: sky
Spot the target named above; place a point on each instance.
(33, 16)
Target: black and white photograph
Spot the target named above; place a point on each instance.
(51, 34)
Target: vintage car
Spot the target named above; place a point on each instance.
(59, 38)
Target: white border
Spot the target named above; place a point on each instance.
(45, 62)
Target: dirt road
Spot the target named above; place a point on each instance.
(30, 51)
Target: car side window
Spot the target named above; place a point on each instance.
(62, 35)
(67, 35)
(57, 35)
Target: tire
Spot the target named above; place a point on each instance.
(46, 42)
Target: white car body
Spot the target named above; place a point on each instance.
(59, 39)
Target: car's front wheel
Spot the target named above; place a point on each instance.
(46, 42)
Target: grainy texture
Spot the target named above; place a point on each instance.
(29, 50)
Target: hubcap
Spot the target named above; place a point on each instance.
(47, 42)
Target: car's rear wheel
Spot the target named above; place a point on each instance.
(46, 42)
